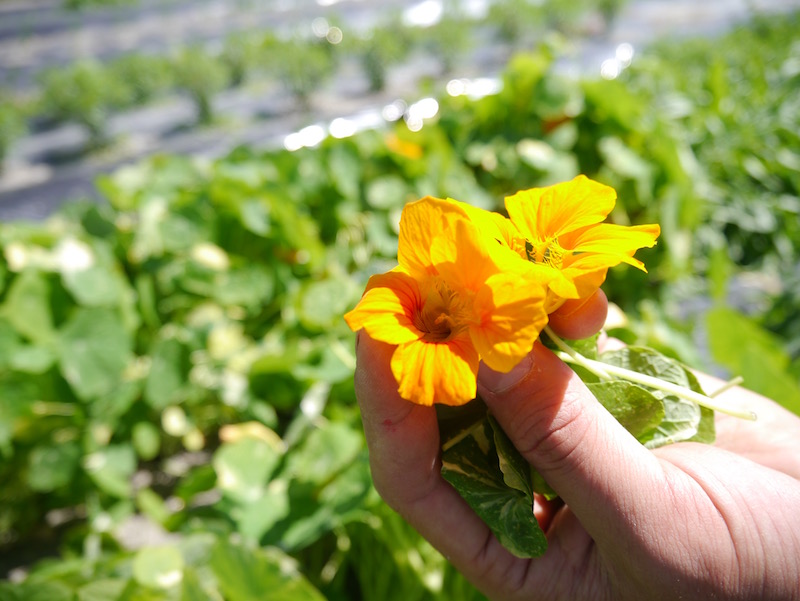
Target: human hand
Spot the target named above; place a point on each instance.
(685, 521)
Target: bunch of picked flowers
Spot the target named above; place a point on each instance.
(473, 285)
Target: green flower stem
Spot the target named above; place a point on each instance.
(606, 371)
(574, 356)
(727, 386)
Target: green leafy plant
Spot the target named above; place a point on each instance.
(610, 9)
(147, 76)
(85, 93)
(89, 4)
(300, 65)
(200, 75)
(565, 16)
(241, 54)
(381, 48)
(12, 126)
(516, 21)
(448, 39)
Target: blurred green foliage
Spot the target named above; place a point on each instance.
(85, 93)
(147, 77)
(178, 356)
(12, 125)
(448, 39)
(301, 66)
(90, 4)
(516, 21)
(173, 362)
(200, 75)
(380, 49)
(90, 93)
(241, 54)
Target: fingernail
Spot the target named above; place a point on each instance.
(496, 381)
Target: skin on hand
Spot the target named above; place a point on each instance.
(685, 521)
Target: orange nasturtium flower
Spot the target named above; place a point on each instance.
(457, 297)
(560, 227)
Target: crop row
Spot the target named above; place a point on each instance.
(89, 92)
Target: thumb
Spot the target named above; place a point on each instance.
(603, 473)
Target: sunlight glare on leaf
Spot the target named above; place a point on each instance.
(73, 255)
(394, 111)
(474, 89)
(610, 69)
(624, 54)
(427, 108)
(308, 137)
(342, 128)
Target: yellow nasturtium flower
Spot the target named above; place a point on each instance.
(457, 297)
(560, 227)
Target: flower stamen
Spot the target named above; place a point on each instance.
(440, 316)
(547, 252)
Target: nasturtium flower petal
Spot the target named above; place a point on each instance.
(511, 315)
(463, 256)
(387, 308)
(581, 279)
(510, 243)
(421, 222)
(491, 224)
(563, 286)
(542, 213)
(444, 373)
(610, 239)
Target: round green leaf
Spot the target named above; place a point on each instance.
(53, 466)
(9, 343)
(252, 574)
(323, 303)
(387, 192)
(27, 306)
(94, 350)
(96, 286)
(32, 359)
(244, 466)
(146, 440)
(158, 567)
(168, 373)
(326, 451)
(102, 590)
(111, 468)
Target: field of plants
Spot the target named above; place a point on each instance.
(89, 92)
(86, 90)
(177, 415)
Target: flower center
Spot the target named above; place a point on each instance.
(440, 316)
(545, 252)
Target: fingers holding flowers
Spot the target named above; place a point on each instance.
(404, 453)
(471, 288)
(461, 315)
(580, 318)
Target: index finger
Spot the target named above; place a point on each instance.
(403, 440)
(580, 318)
